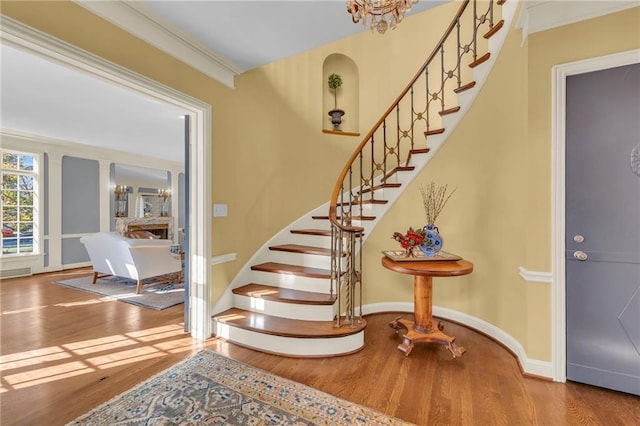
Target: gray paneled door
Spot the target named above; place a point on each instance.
(603, 228)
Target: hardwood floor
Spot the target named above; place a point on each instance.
(65, 352)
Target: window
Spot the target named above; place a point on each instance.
(20, 206)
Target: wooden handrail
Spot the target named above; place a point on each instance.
(358, 150)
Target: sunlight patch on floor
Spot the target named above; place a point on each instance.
(20, 311)
(87, 356)
(46, 374)
(82, 303)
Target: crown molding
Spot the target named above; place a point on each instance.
(19, 140)
(144, 24)
(542, 15)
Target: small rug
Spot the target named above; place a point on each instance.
(211, 389)
(158, 297)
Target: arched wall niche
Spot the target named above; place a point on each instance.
(347, 96)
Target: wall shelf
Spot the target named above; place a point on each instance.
(337, 132)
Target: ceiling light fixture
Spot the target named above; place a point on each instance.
(379, 14)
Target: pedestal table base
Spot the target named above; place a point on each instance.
(416, 334)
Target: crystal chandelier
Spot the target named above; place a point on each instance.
(379, 14)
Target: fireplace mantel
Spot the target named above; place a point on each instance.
(162, 226)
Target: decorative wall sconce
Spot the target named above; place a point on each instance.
(121, 192)
(164, 204)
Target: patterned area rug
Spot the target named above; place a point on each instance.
(159, 297)
(211, 389)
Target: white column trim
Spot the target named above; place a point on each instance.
(54, 250)
(175, 189)
(105, 195)
(559, 74)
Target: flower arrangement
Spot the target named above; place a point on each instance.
(434, 199)
(413, 238)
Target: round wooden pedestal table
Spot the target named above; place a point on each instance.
(423, 328)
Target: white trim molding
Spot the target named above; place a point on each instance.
(223, 258)
(529, 366)
(534, 276)
(144, 24)
(542, 15)
(559, 74)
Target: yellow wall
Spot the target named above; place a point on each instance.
(271, 163)
(499, 158)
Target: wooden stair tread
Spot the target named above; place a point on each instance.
(297, 248)
(352, 217)
(449, 111)
(465, 87)
(284, 295)
(382, 186)
(317, 232)
(420, 151)
(284, 268)
(320, 232)
(434, 132)
(357, 203)
(480, 60)
(494, 29)
(285, 327)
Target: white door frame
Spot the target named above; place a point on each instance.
(558, 187)
(19, 35)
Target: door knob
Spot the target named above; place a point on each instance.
(578, 238)
(580, 255)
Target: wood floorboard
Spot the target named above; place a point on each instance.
(65, 352)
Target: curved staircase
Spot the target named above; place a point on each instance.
(297, 295)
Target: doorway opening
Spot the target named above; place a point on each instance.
(21, 36)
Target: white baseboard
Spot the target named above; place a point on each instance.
(529, 366)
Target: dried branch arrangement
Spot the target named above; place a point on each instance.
(434, 199)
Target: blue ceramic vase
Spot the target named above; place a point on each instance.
(432, 241)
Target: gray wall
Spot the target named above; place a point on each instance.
(80, 205)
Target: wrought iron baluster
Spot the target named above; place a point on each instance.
(475, 30)
(397, 145)
(460, 51)
(428, 96)
(442, 77)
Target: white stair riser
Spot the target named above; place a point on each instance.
(318, 285)
(290, 345)
(300, 259)
(285, 310)
(310, 240)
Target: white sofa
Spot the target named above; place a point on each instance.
(137, 259)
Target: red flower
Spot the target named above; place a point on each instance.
(413, 238)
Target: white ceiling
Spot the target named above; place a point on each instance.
(44, 98)
(248, 34)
